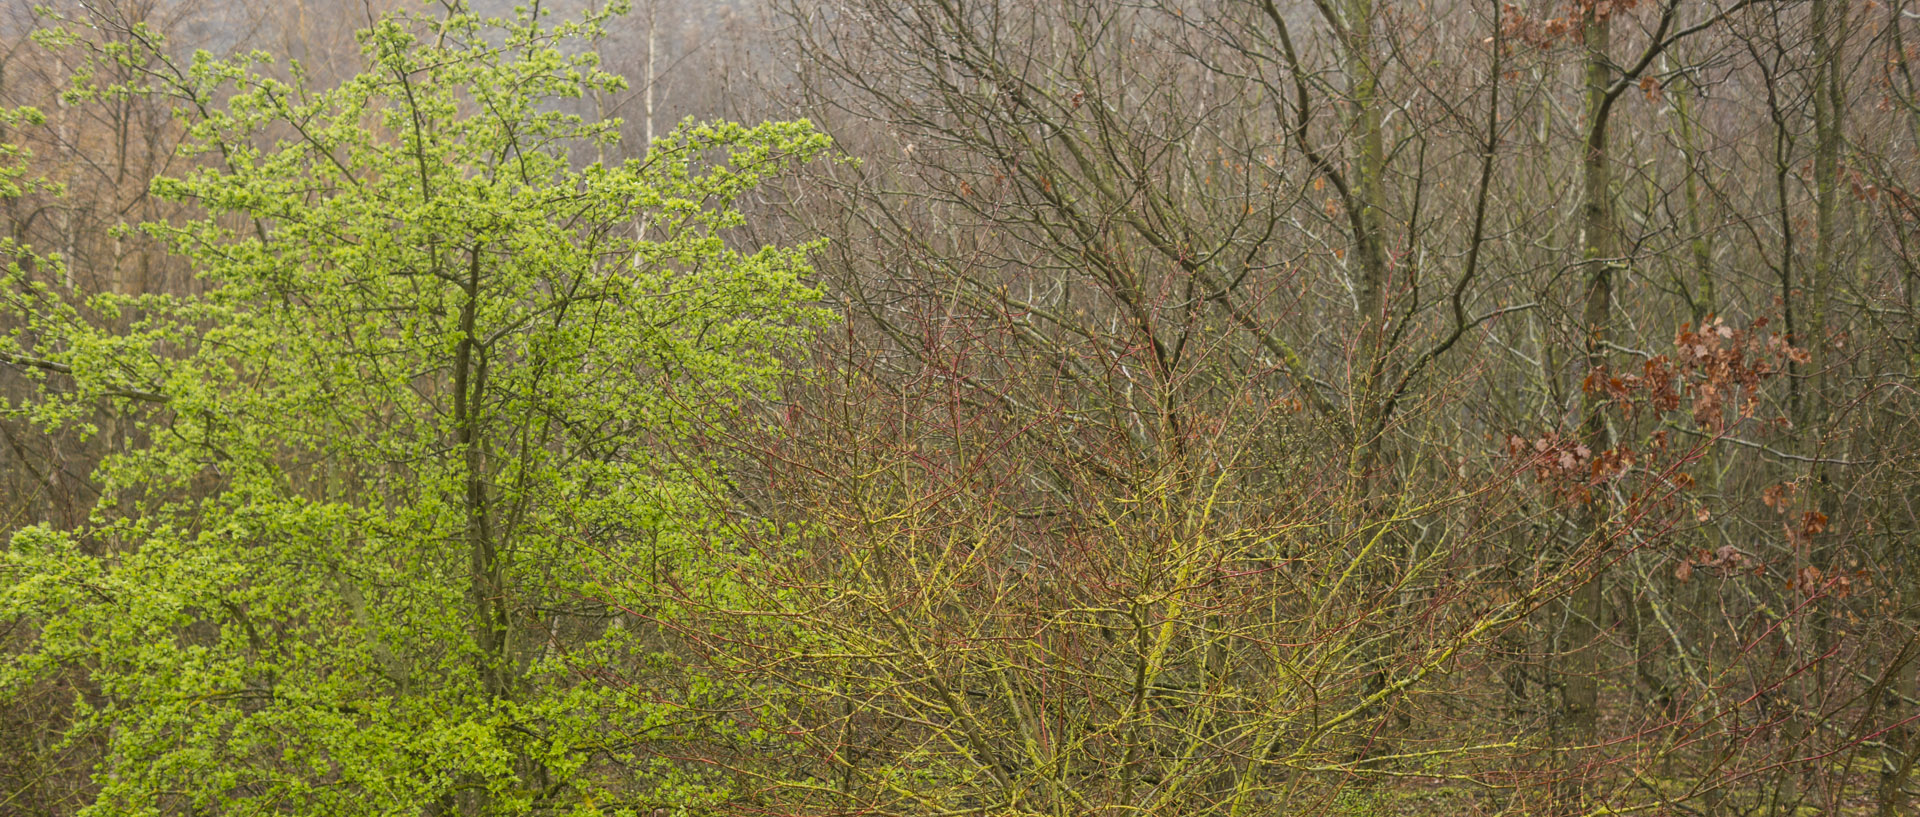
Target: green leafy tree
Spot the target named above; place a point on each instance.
(439, 381)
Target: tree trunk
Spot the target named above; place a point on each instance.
(1580, 701)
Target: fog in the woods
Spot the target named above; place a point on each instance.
(939, 407)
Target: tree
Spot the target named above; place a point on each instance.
(1073, 538)
(349, 560)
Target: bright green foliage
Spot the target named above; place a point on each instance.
(435, 389)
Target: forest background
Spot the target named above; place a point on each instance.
(1345, 407)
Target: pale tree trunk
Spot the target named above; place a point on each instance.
(646, 101)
